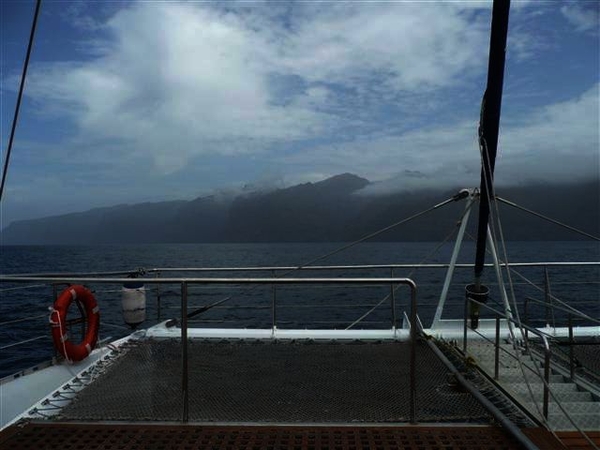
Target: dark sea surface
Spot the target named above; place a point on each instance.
(298, 306)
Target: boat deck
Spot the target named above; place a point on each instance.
(61, 436)
(258, 381)
(270, 394)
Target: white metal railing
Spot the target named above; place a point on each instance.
(551, 303)
(184, 283)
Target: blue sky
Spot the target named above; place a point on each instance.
(149, 101)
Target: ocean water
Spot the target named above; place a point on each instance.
(297, 306)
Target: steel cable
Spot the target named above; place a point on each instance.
(338, 250)
(19, 98)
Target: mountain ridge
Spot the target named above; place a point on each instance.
(329, 210)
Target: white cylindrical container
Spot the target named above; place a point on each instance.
(133, 302)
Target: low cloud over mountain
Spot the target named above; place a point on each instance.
(335, 209)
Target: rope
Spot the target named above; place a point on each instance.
(549, 219)
(62, 336)
(19, 97)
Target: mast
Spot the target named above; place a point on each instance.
(489, 125)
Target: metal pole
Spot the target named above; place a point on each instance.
(55, 295)
(507, 310)
(547, 298)
(158, 306)
(546, 380)
(413, 352)
(466, 313)
(19, 98)
(489, 125)
(393, 298)
(526, 317)
(571, 355)
(184, 351)
(457, 246)
(497, 349)
(274, 306)
(489, 406)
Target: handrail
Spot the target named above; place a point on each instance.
(373, 266)
(542, 336)
(546, 379)
(142, 271)
(195, 280)
(185, 282)
(403, 281)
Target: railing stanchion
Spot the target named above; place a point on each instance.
(546, 375)
(393, 297)
(547, 298)
(413, 351)
(497, 349)
(158, 306)
(571, 351)
(274, 305)
(466, 312)
(184, 350)
(526, 317)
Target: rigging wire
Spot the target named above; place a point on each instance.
(454, 198)
(520, 325)
(571, 311)
(549, 219)
(19, 97)
(24, 319)
(372, 235)
(429, 255)
(565, 306)
(494, 214)
(19, 288)
(23, 342)
(536, 367)
(537, 371)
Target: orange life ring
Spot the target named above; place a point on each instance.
(58, 322)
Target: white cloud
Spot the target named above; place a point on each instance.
(308, 89)
(171, 81)
(557, 143)
(584, 16)
(408, 46)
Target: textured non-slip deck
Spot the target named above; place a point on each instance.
(576, 441)
(60, 436)
(275, 382)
